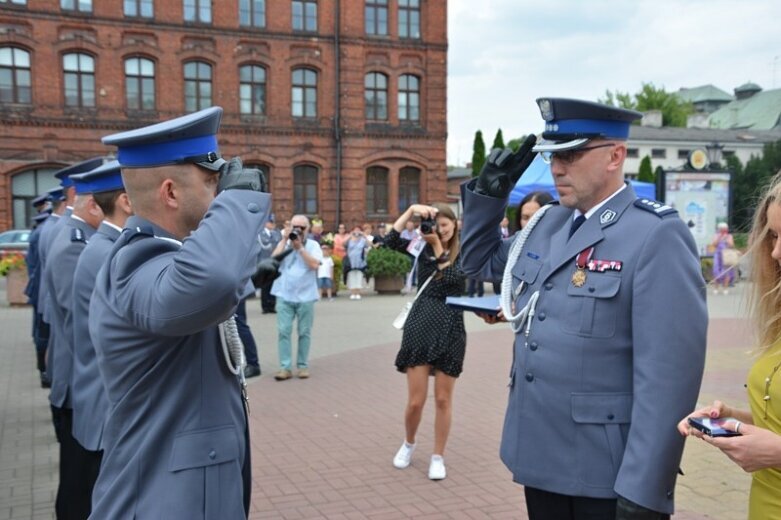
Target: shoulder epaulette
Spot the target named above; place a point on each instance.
(658, 208)
(77, 235)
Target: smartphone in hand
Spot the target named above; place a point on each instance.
(713, 427)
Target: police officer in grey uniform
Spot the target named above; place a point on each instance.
(607, 301)
(88, 395)
(73, 497)
(175, 440)
(33, 282)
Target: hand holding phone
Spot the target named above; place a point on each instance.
(713, 427)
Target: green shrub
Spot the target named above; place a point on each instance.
(741, 240)
(382, 261)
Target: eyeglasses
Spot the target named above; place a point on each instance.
(570, 156)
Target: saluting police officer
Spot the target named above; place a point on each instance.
(607, 302)
(175, 440)
(73, 497)
(88, 395)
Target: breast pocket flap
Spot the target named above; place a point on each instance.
(200, 448)
(597, 285)
(602, 408)
(527, 269)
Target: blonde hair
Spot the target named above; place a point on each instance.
(765, 294)
(444, 210)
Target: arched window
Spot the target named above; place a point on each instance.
(15, 79)
(197, 86)
(305, 190)
(79, 75)
(409, 98)
(409, 187)
(304, 94)
(375, 14)
(377, 190)
(376, 95)
(25, 186)
(140, 84)
(252, 90)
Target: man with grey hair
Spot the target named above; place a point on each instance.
(296, 292)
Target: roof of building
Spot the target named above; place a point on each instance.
(748, 87)
(762, 111)
(671, 133)
(703, 93)
(459, 172)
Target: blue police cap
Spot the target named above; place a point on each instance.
(56, 194)
(106, 177)
(43, 215)
(187, 139)
(570, 123)
(40, 199)
(84, 166)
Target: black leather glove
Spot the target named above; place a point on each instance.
(503, 169)
(233, 176)
(628, 510)
(268, 269)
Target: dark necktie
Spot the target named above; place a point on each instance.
(576, 224)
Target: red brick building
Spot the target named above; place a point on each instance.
(342, 102)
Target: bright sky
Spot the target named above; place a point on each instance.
(504, 54)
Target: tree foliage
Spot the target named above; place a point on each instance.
(674, 110)
(498, 140)
(748, 182)
(478, 154)
(646, 171)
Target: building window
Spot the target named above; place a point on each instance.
(658, 153)
(139, 8)
(683, 154)
(377, 190)
(25, 187)
(304, 15)
(376, 17)
(632, 153)
(198, 11)
(409, 98)
(305, 190)
(79, 72)
(252, 13)
(252, 90)
(409, 187)
(15, 78)
(13, 2)
(197, 86)
(140, 83)
(304, 93)
(728, 153)
(409, 19)
(82, 6)
(376, 95)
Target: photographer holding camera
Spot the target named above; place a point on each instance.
(296, 292)
(434, 340)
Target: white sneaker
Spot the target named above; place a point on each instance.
(436, 471)
(357, 296)
(404, 455)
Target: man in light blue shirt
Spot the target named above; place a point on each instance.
(296, 292)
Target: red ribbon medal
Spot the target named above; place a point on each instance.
(581, 261)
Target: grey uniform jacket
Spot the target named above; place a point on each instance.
(268, 241)
(44, 247)
(88, 395)
(174, 436)
(607, 369)
(66, 246)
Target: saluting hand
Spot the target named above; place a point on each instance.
(503, 169)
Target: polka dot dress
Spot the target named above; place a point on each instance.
(434, 333)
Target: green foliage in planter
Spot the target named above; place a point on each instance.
(387, 262)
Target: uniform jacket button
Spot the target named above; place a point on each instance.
(542, 316)
(529, 377)
(610, 417)
(253, 208)
(591, 289)
(212, 454)
(533, 346)
(669, 494)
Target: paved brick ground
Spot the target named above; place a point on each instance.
(322, 447)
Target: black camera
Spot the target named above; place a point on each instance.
(428, 226)
(294, 235)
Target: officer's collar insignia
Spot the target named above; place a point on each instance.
(607, 216)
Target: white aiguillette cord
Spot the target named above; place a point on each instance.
(232, 347)
(507, 296)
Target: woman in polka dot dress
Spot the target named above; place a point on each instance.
(434, 339)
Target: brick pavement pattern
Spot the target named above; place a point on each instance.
(322, 447)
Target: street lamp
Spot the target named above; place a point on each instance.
(714, 151)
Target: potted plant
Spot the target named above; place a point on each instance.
(388, 267)
(13, 266)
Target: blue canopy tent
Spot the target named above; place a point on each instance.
(538, 177)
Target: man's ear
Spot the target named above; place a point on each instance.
(170, 194)
(124, 204)
(93, 208)
(617, 157)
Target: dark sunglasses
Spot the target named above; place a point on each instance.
(570, 156)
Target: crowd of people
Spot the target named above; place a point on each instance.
(141, 268)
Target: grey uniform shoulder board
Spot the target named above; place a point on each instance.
(77, 235)
(658, 208)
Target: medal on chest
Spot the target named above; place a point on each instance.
(581, 261)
